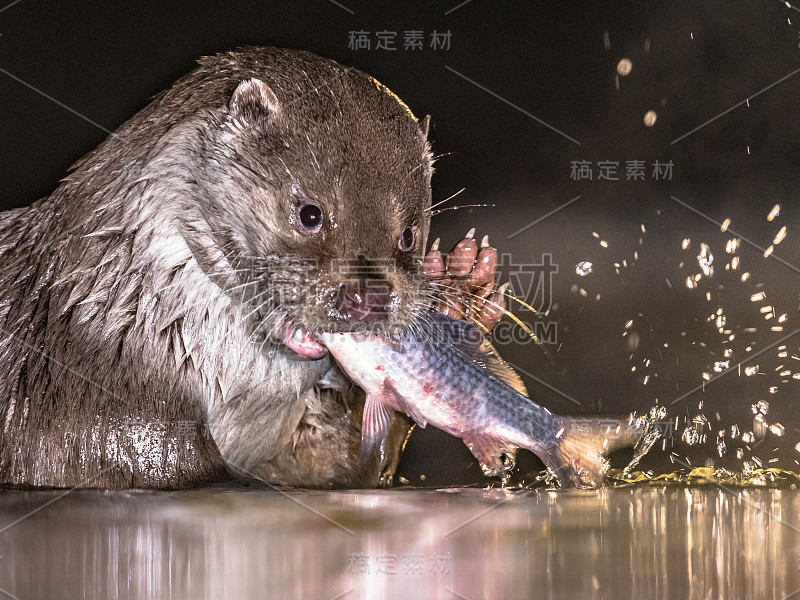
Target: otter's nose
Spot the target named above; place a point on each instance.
(362, 303)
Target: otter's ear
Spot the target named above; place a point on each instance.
(425, 125)
(252, 98)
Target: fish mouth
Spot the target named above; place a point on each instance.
(301, 342)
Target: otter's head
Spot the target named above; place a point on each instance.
(315, 190)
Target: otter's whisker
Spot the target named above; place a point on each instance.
(258, 326)
(430, 208)
(205, 300)
(441, 210)
(243, 319)
(486, 301)
(183, 282)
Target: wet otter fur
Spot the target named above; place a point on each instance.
(146, 304)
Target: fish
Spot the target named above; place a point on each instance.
(444, 372)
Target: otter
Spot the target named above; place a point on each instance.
(158, 310)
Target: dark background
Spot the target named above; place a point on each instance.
(692, 61)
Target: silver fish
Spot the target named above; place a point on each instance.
(443, 372)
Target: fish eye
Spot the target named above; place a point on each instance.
(310, 216)
(406, 241)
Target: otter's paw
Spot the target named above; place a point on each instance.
(465, 281)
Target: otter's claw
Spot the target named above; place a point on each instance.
(460, 261)
(485, 266)
(465, 281)
(434, 263)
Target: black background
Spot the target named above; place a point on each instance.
(691, 62)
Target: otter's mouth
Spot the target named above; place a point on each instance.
(301, 342)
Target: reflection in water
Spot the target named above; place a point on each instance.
(638, 542)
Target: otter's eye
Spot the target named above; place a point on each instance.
(406, 241)
(310, 217)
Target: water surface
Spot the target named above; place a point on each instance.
(640, 542)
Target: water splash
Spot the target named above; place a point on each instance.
(753, 477)
(652, 424)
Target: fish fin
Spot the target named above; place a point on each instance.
(375, 423)
(489, 451)
(400, 403)
(489, 358)
(576, 457)
(469, 339)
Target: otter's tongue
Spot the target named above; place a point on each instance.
(299, 340)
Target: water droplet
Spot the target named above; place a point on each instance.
(650, 118)
(690, 435)
(721, 448)
(624, 67)
(776, 210)
(706, 260)
(583, 268)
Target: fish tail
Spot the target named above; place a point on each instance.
(577, 455)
